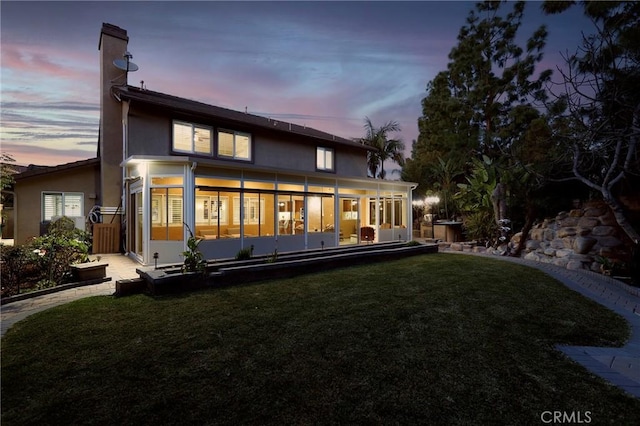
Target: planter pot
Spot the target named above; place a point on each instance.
(89, 271)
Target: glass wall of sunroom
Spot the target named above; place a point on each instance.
(235, 209)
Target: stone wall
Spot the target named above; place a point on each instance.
(576, 238)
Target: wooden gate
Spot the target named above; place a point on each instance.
(106, 238)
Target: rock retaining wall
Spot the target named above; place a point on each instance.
(576, 238)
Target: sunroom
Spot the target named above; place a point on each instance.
(237, 208)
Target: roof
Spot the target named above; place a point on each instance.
(35, 170)
(236, 117)
(12, 168)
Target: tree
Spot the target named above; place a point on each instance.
(597, 115)
(383, 148)
(483, 104)
(6, 172)
(6, 181)
(490, 73)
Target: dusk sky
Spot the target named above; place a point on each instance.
(325, 65)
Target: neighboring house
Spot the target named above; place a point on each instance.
(47, 193)
(237, 180)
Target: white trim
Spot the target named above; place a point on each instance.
(63, 211)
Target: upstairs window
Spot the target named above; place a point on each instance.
(191, 138)
(234, 145)
(324, 159)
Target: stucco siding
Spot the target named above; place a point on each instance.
(283, 154)
(149, 135)
(351, 163)
(28, 203)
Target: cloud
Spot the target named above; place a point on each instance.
(46, 155)
(54, 105)
(321, 64)
(26, 119)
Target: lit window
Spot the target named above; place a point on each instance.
(324, 158)
(253, 210)
(191, 138)
(55, 204)
(320, 213)
(175, 210)
(391, 211)
(166, 214)
(234, 145)
(211, 209)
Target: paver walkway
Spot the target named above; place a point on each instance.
(620, 366)
(120, 267)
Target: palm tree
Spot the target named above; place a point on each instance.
(384, 148)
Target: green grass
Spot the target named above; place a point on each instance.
(434, 339)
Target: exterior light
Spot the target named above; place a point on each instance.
(432, 200)
(155, 259)
(141, 168)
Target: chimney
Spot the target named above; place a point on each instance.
(112, 45)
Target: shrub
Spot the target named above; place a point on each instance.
(273, 258)
(244, 254)
(413, 243)
(193, 259)
(19, 268)
(480, 226)
(62, 246)
(44, 261)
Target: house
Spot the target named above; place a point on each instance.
(42, 194)
(169, 166)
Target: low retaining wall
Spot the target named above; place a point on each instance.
(84, 274)
(577, 239)
(230, 273)
(50, 290)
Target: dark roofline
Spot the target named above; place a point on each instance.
(13, 169)
(34, 170)
(175, 103)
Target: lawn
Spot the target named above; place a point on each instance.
(433, 339)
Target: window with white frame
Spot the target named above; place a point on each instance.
(175, 210)
(391, 211)
(324, 158)
(166, 214)
(234, 145)
(70, 204)
(191, 138)
(211, 209)
(253, 210)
